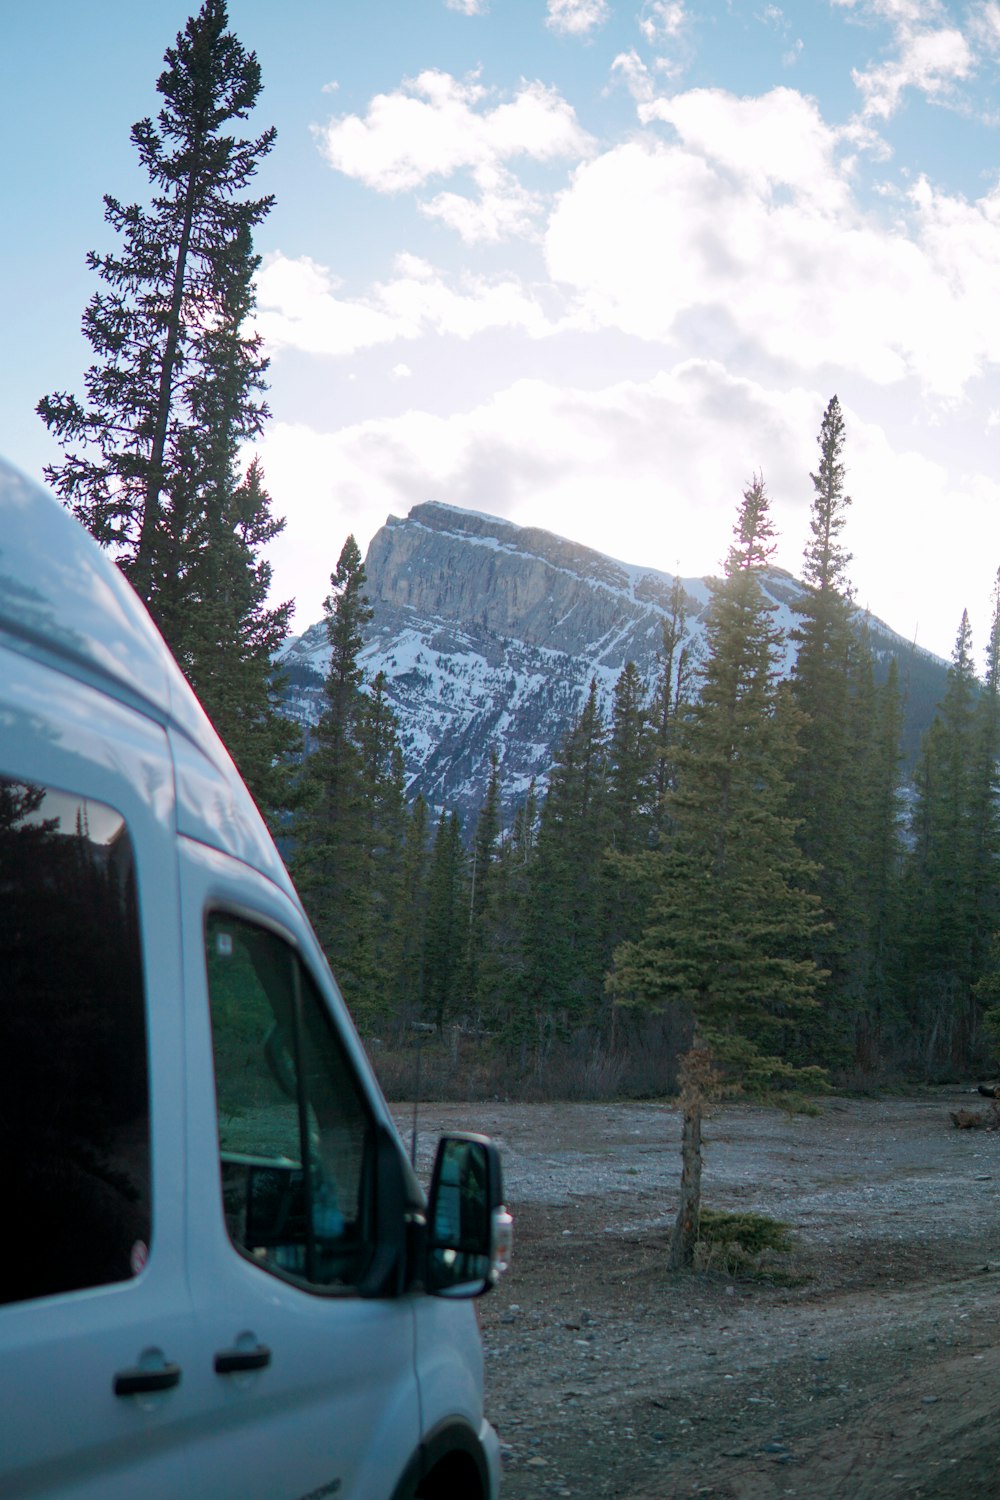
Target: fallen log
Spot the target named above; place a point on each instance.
(976, 1119)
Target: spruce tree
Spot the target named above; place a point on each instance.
(563, 981)
(985, 891)
(379, 864)
(730, 926)
(827, 778)
(672, 690)
(410, 916)
(152, 453)
(941, 941)
(878, 728)
(447, 921)
(485, 856)
(331, 826)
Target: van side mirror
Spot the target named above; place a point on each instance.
(469, 1231)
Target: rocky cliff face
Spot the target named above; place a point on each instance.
(489, 635)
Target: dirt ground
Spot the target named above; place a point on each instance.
(869, 1368)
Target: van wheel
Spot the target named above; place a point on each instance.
(455, 1477)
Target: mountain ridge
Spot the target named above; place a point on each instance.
(489, 635)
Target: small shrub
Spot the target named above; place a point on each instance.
(739, 1244)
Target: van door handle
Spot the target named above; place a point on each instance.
(231, 1361)
(138, 1382)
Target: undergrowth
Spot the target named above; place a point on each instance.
(742, 1244)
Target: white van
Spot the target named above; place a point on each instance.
(219, 1276)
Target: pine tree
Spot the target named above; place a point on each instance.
(630, 764)
(878, 723)
(730, 926)
(940, 913)
(828, 777)
(672, 690)
(380, 858)
(985, 891)
(447, 920)
(563, 941)
(331, 826)
(151, 456)
(410, 916)
(485, 856)
(502, 958)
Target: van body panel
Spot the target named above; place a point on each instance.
(60, 593)
(214, 808)
(117, 799)
(341, 1365)
(61, 1420)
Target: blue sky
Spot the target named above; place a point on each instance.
(583, 263)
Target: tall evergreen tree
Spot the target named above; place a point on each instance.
(447, 921)
(331, 826)
(672, 690)
(941, 942)
(380, 858)
(410, 916)
(502, 960)
(563, 981)
(985, 891)
(878, 723)
(485, 857)
(730, 925)
(151, 456)
(827, 778)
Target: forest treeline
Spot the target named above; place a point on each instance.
(726, 868)
(733, 853)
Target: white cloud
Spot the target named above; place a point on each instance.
(401, 372)
(662, 20)
(468, 7)
(652, 453)
(929, 61)
(668, 458)
(778, 140)
(984, 25)
(744, 232)
(633, 72)
(576, 17)
(502, 210)
(436, 125)
(299, 307)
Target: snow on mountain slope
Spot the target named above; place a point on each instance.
(489, 635)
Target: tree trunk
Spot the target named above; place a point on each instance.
(685, 1234)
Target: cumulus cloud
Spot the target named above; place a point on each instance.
(468, 7)
(931, 54)
(299, 307)
(662, 20)
(630, 68)
(503, 208)
(437, 126)
(744, 228)
(984, 26)
(544, 455)
(576, 17)
(929, 61)
(668, 457)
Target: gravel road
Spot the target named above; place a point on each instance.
(867, 1369)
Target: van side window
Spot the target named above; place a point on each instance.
(295, 1139)
(74, 1098)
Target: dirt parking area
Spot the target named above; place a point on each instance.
(869, 1368)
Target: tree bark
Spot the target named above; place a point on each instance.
(685, 1235)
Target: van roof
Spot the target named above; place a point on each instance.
(63, 601)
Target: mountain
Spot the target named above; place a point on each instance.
(489, 635)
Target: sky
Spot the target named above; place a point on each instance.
(588, 265)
